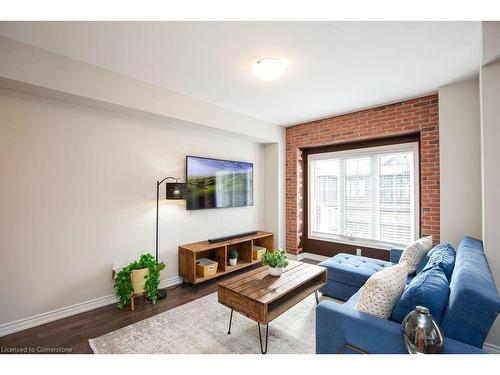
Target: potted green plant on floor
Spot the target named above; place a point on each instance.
(233, 257)
(141, 276)
(275, 260)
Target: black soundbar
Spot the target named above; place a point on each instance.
(231, 237)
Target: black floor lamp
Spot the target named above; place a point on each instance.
(175, 190)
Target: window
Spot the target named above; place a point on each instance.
(368, 196)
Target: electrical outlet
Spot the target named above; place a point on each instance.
(358, 252)
(116, 267)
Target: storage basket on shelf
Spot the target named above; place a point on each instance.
(257, 252)
(206, 267)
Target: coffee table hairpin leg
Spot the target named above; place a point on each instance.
(230, 321)
(263, 351)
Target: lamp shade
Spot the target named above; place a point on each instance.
(176, 190)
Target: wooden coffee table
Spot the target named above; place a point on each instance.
(262, 297)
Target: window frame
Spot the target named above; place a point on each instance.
(311, 241)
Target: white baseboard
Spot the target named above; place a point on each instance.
(171, 281)
(301, 256)
(491, 348)
(64, 312)
(312, 256)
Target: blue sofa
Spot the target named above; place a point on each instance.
(471, 309)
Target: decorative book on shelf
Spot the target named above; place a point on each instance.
(218, 252)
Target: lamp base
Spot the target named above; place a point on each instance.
(162, 293)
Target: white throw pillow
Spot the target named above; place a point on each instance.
(382, 290)
(414, 253)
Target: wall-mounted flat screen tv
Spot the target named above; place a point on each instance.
(215, 183)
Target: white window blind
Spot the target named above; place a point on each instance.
(368, 195)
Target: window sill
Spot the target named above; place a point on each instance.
(360, 243)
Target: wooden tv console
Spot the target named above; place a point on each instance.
(189, 253)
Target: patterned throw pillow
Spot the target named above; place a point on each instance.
(414, 253)
(382, 290)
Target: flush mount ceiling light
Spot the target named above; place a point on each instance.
(269, 68)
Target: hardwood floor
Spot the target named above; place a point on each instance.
(72, 333)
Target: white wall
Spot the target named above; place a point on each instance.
(271, 186)
(490, 42)
(34, 70)
(490, 105)
(78, 194)
(460, 161)
(489, 84)
(469, 130)
(490, 128)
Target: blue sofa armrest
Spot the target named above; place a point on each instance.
(337, 326)
(395, 254)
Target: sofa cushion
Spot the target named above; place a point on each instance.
(382, 290)
(423, 262)
(429, 289)
(414, 252)
(443, 255)
(352, 269)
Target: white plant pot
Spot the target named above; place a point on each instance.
(233, 262)
(274, 271)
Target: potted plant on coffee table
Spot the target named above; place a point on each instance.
(275, 260)
(233, 257)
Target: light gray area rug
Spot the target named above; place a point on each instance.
(200, 327)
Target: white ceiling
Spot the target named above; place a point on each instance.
(335, 67)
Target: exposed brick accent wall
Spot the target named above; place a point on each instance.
(415, 115)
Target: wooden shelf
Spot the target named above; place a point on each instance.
(280, 305)
(262, 297)
(200, 279)
(240, 264)
(189, 253)
(205, 245)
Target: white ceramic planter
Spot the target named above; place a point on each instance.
(233, 262)
(275, 271)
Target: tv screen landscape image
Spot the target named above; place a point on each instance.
(214, 183)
